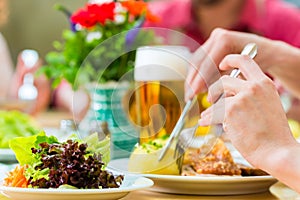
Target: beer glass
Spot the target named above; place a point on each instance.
(159, 75)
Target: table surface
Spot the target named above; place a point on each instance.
(149, 195)
(52, 119)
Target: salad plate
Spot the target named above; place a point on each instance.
(201, 185)
(7, 156)
(130, 183)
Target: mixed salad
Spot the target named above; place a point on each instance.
(44, 162)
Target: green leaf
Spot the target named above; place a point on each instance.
(43, 138)
(31, 172)
(99, 147)
(22, 147)
(77, 48)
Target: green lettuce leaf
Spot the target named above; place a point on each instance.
(43, 138)
(96, 146)
(31, 172)
(22, 147)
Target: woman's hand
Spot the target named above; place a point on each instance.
(41, 83)
(274, 57)
(254, 120)
(251, 112)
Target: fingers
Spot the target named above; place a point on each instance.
(249, 69)
(202, 72)
(226, 85)
(232, 87)
(214, 114)
(205, 76)
(198, 57)
(194, 75)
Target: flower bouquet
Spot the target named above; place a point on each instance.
(99, 48)
(99, 42)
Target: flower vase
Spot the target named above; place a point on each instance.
(106, 107)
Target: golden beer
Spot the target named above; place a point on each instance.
(158, 106)
(159, 89)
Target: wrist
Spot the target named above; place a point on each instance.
(286, 56)
(275, 160)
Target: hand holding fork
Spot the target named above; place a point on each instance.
(183, 142)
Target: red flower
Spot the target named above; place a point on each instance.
(92, 14)
(102, 12)
(84, 18)
(137, 8)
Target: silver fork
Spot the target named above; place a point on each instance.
(188, 139)
(183, 143)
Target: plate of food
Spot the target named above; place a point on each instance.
(129, 184)
(73, 169)
(215, 174)
(7, 156)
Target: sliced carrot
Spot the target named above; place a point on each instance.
(16, 177)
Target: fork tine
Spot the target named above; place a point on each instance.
(182, 143)
(178, 155)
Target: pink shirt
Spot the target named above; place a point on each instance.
(274, 19)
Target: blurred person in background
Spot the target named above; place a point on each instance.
(6, 62)
(11, 79)
(273, 19)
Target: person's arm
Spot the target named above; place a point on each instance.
(41, 83)
(254, 120)
(277, 58)
(286, 66)
(283, 163)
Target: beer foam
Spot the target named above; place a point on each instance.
(161, 63)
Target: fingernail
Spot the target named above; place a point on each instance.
(203, 113)
(208, 98)
(202, 122)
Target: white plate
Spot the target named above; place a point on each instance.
(7, 156)
(130, 183)
(201, 185)
(282, 191)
